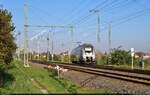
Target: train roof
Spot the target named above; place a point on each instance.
(86, 45)
(83, 46)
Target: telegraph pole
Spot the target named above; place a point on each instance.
(48, 46)
(72, 36)
(109, 38)
(62, 51)
(98, 32)
(19, 34)
(39, 49)
(52, 51)
(98, 35)
(52, 44)
(109, 58)
(25, 40)
(71, 44)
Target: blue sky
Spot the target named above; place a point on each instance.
(130, 24)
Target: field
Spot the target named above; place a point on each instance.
(17, 82)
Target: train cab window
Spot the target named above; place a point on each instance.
(88, 50)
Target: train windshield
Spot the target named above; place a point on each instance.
(88, 50)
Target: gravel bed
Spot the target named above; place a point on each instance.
(118, 72)
(98, 82)
(90, 81)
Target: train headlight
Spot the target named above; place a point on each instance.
(93, 56)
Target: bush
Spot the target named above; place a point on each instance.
(57, 58)
(102, 60)
(147, 62)
(66, 58)
(122, 57)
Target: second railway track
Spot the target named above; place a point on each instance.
(127, 75)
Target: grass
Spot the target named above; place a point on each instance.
(56, 85)
(15, 82)
(44, 78)
(136, 66)
(103, 61)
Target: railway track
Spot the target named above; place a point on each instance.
(136, 76)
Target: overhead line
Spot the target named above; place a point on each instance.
(147, 11)
(117, 7)
(131, 17)
(88, 14)
(114, 6)
(82, 19)
(40, 10)
(76, 18)
(128, 18)
(66, 16)
(103, 12)
(39, 16)
(133, 14)
(140, 4)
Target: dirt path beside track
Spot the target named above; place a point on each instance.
(43, 90)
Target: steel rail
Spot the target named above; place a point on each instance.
(131, 78)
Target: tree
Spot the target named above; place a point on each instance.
(7, 45)
(140, 54)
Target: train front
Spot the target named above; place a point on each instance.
(88, 54)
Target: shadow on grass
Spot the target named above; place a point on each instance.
(6, 79)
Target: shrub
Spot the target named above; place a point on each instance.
(102, 60)
(122, 57)
(147, 62)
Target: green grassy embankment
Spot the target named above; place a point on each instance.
(136, 66)
(14, 81)
(53, 84)
(103, 61)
